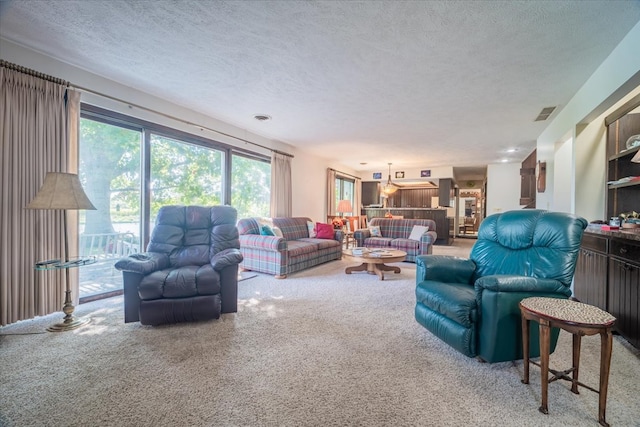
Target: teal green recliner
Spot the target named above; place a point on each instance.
(472, 304)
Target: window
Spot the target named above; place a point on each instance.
(130, 168)
(250, 185)
(184, 174)
(344, 191)
(110, 173)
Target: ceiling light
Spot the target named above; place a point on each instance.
(504, 160)
(389, 187)
(512, 150)
(262, 117)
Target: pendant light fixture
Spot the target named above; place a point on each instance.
(389, 187)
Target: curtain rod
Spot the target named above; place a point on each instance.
(169, 116)
(31, 72)
(344, 173)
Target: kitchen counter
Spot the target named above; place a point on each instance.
(622, 233)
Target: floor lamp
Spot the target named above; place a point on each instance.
(63, 191)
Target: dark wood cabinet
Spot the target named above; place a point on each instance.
(590, 279)
(370, 193)
(624, 288)
(528, 181)
(608, 276)
(622, 196)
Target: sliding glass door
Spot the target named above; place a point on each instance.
(184, 174)
(110, 173)
(130, 168)
(250, 185)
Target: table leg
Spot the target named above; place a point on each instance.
(577, 340)
(544, 363)
(606, 342)
(525, 348)
(362, 267)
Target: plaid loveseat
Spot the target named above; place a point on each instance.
(395, 235)
(292, 252)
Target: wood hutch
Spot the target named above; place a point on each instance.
(608, 270)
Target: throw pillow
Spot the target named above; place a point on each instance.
(417, 231)
(276, 231)
(265, 230)
(375, 231)
(312, 229)
(324, 231)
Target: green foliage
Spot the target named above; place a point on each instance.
(250, 186)
(181, 173)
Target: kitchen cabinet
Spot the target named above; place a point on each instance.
(608, 276)
(590, 279)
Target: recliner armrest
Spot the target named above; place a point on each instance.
(444, 268)
(143, 263)
(511, 283)
(226, 258)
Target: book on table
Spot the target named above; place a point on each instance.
(380, 253)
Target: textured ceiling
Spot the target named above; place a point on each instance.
(418, 84)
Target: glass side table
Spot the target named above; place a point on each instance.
(70, 321)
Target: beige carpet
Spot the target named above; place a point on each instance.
(318, 348)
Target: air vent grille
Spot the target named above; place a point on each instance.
(544, 114)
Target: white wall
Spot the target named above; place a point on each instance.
(308, 172)
(563, 178)
(614, 79)
(591, 174)
(503, 187)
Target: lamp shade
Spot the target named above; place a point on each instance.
(344, 206)
(61, 191)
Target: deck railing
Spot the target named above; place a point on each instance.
(105, 246)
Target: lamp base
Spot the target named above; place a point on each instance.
(69, 324)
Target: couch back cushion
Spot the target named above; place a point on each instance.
(529, 242)
(191, 235)
(292, 228)
(400, 228)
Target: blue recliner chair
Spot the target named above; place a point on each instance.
(472, 304)
(190, 269)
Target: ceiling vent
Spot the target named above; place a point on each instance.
(262, 117)
(544, 114)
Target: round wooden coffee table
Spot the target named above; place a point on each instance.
(374, 264)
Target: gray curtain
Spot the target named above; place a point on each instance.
(281, 205)
(34, 140)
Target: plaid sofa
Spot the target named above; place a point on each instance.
(293, 252)
(395, 235)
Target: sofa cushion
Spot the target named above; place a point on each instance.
(292, 228)
(377, 242)
(300, 247)
(322, 243)
(312, 229)
(375, 231)
(407, 245)
(265, 230)
(182, 282)
(417, 231)
(324, 231)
